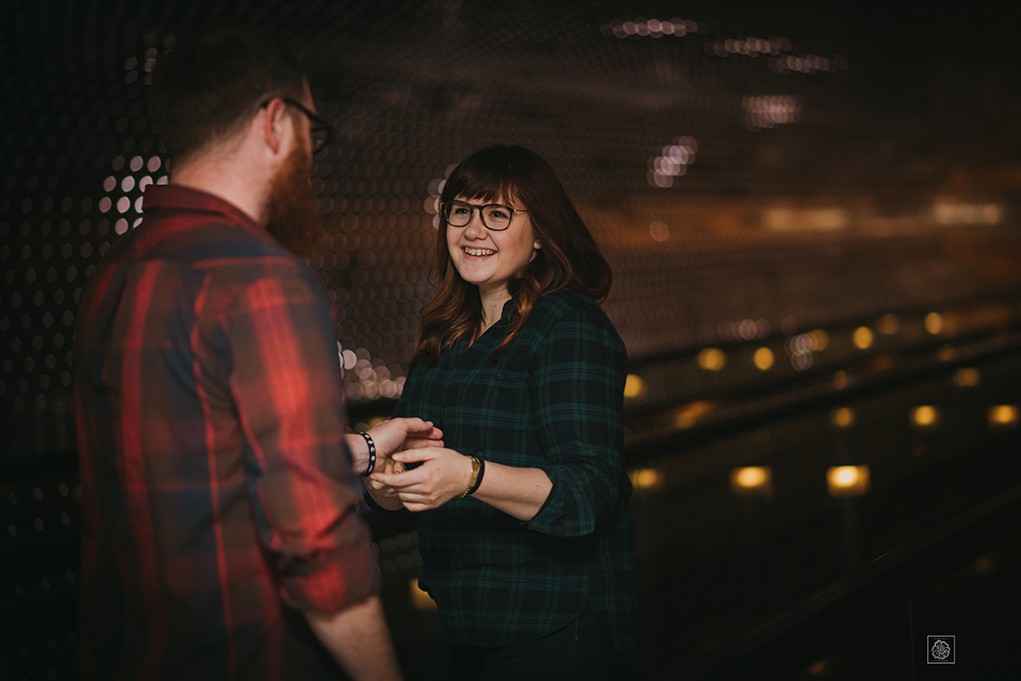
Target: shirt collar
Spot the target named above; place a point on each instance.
(508, 308)
(176, 197)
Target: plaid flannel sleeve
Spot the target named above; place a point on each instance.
(578, 393)
(289, 394)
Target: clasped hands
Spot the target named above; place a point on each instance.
(442, 474)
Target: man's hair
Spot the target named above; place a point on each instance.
(205, 91)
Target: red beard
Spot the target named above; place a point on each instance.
(292, 216)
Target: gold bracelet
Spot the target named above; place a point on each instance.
(476, 467)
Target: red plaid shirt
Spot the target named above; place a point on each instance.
(217, 493)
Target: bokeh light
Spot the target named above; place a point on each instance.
(843, 417)
(848, 481)
(925, 416)
(1002, 416)
(752, 481)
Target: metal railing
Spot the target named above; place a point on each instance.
(809, 629)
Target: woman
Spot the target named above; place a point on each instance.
(524, 529)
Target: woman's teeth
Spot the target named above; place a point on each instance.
(478, 251)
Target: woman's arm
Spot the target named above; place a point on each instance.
(577, 397)
(445, 474)
(518, 492)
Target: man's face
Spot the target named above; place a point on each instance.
(293, 217)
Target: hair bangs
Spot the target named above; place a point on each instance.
(483, 177)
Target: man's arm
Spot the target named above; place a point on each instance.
(288, 391)
(358, 638)
(392, 435)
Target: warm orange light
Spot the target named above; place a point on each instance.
(756, 480)
(967, 377)
(888, 324)
(645, 478)
(933, 323)
(687, 415)
(839, 380)
(1003, 416)
(847, 481)
(634, 386)
(751, 479)
(712, 359)
(863, 337)
(763, 359)
(844, 417)
(925, 416)
(820, 340)
(420, 599)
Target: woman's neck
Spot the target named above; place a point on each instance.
(492, 305)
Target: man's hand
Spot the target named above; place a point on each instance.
(384, 495)
(399, 434)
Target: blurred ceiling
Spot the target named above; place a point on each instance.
(794, 98)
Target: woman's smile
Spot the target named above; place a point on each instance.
(490, 258)
(478, 252)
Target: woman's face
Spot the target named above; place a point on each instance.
(487, 258)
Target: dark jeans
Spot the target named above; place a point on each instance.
(581, 651)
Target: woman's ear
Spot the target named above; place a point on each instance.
(537, 245)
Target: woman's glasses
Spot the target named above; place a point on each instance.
(494, 216)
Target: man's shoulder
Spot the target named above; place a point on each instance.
(201, 237)
(229, 257)
(208, 242)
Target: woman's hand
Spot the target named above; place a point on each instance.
(392, 436)
(385, 495)
(442, 475)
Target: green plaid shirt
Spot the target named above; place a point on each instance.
(552, 400)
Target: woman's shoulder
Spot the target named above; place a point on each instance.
(565, 308)
(564, 303)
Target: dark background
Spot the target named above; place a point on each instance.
(915, 108)
(848, 161)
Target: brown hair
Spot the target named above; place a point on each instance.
(568, 259)
(204, 91)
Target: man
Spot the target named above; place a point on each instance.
(221, 538)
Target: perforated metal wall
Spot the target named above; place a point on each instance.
(733, 163)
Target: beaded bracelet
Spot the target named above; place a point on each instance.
(372, 454)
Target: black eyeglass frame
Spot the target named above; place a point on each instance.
(445, 209)
(319, 125)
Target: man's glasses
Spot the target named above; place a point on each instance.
(494, 216)
(322, 132)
